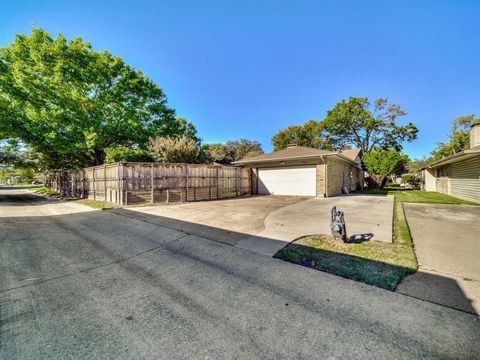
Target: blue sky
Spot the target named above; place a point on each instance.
(249, 68)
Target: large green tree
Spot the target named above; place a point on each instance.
(311, 134)
(232, 150)
(175, 150)
(353, 123)
(360, 124)
(7, 156)
(70, 103)
(381, 163)
(459, 137)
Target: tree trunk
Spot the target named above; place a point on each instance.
(98, 157)
(375, 181)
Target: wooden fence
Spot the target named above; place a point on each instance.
(137, 183)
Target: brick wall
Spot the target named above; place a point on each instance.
(339, 174)
(321, 180)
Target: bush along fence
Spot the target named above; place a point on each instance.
(137, 183)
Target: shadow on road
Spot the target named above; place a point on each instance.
(97, 238)
(20, 198)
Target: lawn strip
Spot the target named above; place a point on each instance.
(372, 262)
(96, 204)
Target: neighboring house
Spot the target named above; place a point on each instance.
(459, 174)
(299, 170)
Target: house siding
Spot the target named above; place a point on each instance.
(442, 182)
(465, 179)
(429, 178)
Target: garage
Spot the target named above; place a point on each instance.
(303, 171)
(293, 180)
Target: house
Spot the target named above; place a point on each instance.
(458, 174)
(299, 170)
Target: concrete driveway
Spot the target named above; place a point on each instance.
(226, 221)
(265, 224)
(99, 284)
(447, 245)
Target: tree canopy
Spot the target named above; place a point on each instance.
(353, 123)
(382, 163)
(175, 150)
(459, 137)
(360, 124)
(70, 103)
(8, 155)
(415, 165)
(311, 134)
(232, 150)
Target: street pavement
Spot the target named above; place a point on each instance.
(82, 283)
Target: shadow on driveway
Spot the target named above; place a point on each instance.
(330, 260)
(112, 284)
(380, 269)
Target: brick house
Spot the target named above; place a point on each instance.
(304, 171)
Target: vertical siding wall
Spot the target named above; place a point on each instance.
(429, 178)
(137, 183)
(465, 179)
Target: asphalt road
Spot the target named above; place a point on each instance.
(76, 283)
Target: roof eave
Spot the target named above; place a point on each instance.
(454, 158)
(302, 157)
(297, 157)
(343, 157)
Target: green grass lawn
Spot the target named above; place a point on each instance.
(25, 186)
(46, 191)
(372, 262)
(419, 196)
(102, 205)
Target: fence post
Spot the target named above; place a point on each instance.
(120, 184)
(93, 182)
(125, 185)
(74, 185)
(84, 181)
(151, 181)
(69, 184)
(105, 182)
(218, 179)
(186, 183)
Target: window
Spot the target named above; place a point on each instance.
(443, 172)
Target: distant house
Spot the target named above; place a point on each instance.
(459, 174)
(299, 170)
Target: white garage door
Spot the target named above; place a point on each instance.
(294, 180)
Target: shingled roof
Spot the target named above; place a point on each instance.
(290, 153)
(351, 153)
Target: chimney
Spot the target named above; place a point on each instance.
(475, 134)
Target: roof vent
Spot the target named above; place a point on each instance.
(291, 146)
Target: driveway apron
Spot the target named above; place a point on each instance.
(447, 245)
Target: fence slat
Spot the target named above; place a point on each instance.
(137, 183)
